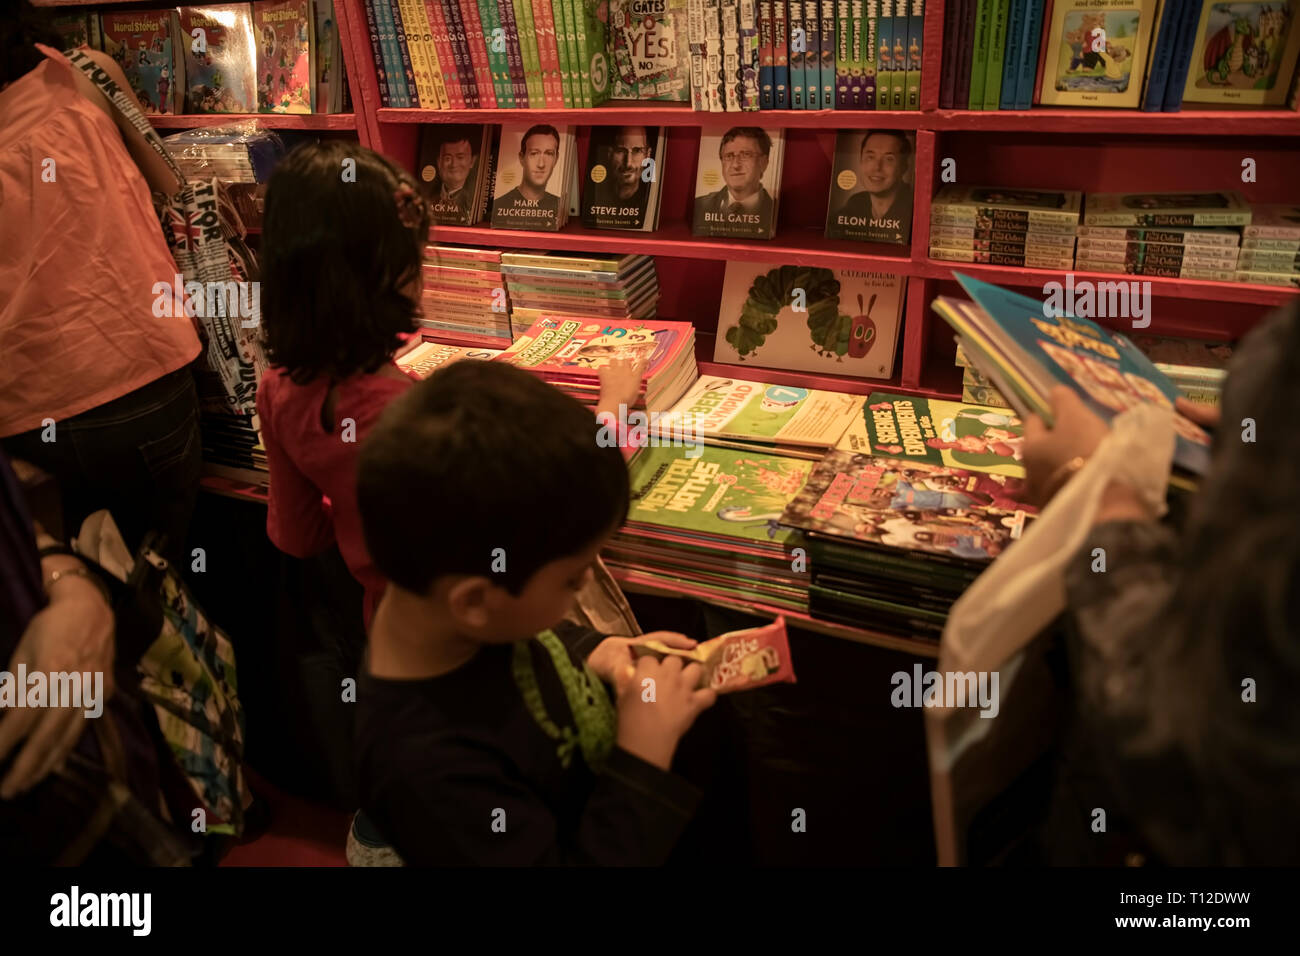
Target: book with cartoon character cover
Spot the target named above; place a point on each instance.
(915, 506)
(1243, 53)
(220, 56)
(286, 52)
(145, 45)
(738, 660)
(938, 432)
(1097, 52)
(1008, 337)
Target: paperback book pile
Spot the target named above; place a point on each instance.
(703, 522)
(1270, 249)
(456, 166)
(465, 298)
(427, 357)
(1176, 235)
(569, 351)
(779, 419)
(891, 544)
(596, 286)
(536, 174)
(1156, 54)
(1027, 354)
(1005, 226)
(1197, 368)
(976, 386)
(242, 155)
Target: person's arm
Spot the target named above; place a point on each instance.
(620, 385)
(297, 521)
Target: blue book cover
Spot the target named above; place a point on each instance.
(1181, 58)
(1030, 346)
(392, 55)
(1153, 97)
(1015, 52)
(1030, 42)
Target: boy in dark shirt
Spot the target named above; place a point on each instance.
(485, 733)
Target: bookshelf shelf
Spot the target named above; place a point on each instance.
(1268, 122)
(617, 113)
(306, 121)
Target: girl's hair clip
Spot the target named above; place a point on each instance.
(410, 206)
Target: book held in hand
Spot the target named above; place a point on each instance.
(738, 660)
(738, 183)
(871, 186)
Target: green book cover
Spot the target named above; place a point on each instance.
(979, 60)
(880, 54)
(997, 52)
(528, 50)
(593, 67)
(560, 14)
(575, 58)
(715, 492)
(899, 58)
(493, 39)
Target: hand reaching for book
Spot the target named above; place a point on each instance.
(620, 384)
(1048, 453)
(614, 653)
(657, 703)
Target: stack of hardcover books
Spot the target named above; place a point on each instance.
(465, 299)
(1270, 249)
(1197, 368)
(1005, 226)
(595, 286)
(1175, 235)
(242, 155)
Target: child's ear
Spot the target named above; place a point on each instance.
(470, 601)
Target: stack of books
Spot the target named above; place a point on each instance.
(595, 286)
(568, 352)
(975, 387)
(1197, 368)
(427, 357)
(1005, 226)
(1176, 235)
(242, 155)
(703, 523)
(1270, 249)
(465, 298)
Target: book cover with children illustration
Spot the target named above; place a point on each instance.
(1243, 53)
(718, 407)
(220, 56)
(911, 505)
(952, 434)
(144, 45)
(284, 31)
(1097, 52)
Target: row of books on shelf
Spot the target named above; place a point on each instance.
(1216, 236)
(718, 55)
(1153, 54)
(268, 56)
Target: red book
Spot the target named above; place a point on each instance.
(447, 62)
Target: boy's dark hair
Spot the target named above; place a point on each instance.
(481, 456)
(19, 30)
(336, 255)
(541, 129)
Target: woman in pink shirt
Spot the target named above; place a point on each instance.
(94, 385)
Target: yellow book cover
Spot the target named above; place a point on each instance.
(1244, 53)
(1097, 52)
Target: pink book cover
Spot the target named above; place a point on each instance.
(575, 347)
(283, 30)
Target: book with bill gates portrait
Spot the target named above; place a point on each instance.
(738, 183)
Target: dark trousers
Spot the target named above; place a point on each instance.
(139, 456)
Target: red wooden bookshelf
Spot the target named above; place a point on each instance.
(304, 121)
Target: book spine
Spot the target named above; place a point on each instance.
(997, 53)
(798, 40)
(948, 77)
(915, 46)
(392, 62)
(749, 93)
(548, 53)
(465, 14)
(494, 43)
(514, 58)
(1043, 39)
(1260, 244)
(884, 53)
(812, 76)
(531, 52)
(781, 54)
(962, 53)
(448, 59)
(571, 14)
(767, 94)
(438, 70)
(569, 89)
(979, 62)
(898, 57)
(419, 56)
(408, 66)
(695, 32)
(843, 51)
(587, 43)
(1029, 43)
(1181, 58)
(1157, 78)
(381, 69)
(729, 13)
(1013, 54)
(827, 65)
(862, 76)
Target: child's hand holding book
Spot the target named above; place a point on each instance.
(658, 701)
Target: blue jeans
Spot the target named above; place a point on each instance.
(139, 456)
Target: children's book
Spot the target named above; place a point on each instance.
(737, 660)
(220, 55)
(1225, 208)
(952, 434)
(144, 44)
(1243, 53)
(1028, 346)
(1277, 221)
(651, 55)
(810, 319)
(285, 55)
(882, 503)
(1097, 52)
